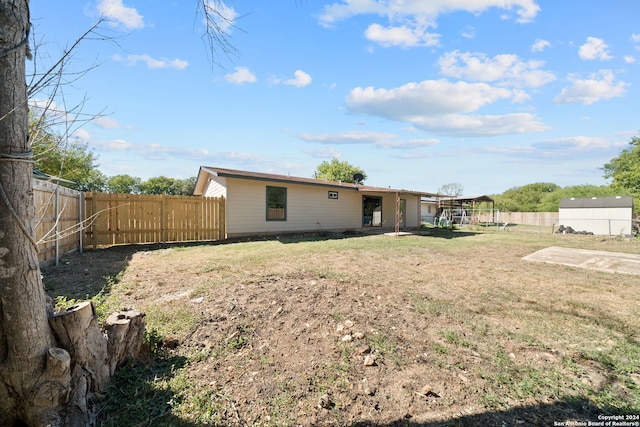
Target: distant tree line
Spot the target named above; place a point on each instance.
(546, 197)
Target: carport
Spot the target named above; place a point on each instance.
(462, 210)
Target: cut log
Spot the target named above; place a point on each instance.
(82, 368)
(125, 336)
(78, 332)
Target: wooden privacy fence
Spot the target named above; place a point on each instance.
(528, 218)
(67, 220)
(121, 219)
(58, 213)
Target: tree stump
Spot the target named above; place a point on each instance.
(125, 335)
(91, 355)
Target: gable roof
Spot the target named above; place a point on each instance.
(597, 202)
(259, 176)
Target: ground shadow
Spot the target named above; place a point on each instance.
(566, 412)
(94, 271)
(140, 394)
(84, 275)
(445, 233)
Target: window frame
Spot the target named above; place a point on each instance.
(269, 217)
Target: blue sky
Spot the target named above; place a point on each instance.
(490, 94)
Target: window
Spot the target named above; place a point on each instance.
(276, 204)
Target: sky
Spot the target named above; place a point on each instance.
(488, 94)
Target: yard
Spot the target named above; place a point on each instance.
(449, 328)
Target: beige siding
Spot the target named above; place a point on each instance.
(413, 211)
(217, 187)
(308, 208)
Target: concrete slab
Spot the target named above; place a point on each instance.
(612, 262)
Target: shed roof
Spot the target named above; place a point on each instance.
(597, 202)
(259, 176)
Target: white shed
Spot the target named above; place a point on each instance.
(599, 215)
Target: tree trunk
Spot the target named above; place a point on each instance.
(50, 366)
(25, 335)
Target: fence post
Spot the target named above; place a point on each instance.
(94, 208)
(163, 219)
(81, 210)
(56, 218)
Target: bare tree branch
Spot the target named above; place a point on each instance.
(219, 19)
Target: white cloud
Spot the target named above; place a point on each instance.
(469, 32)
(114, 145)
(635, 38)
(154, 151)
(153, 63)
(480, 125)
(629, 59)
(241, 76)
(507, 68)
(440, 106)
(119, 14)
(301, 79)
(579, 142)
(421, 10)
(402, 36)
(599, 86)
(539, 45)
(323, 153)
(429, 97)
(382, 140)
(81, 135)
(104, 122)
(594, 48)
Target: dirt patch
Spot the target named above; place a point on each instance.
(370, 330)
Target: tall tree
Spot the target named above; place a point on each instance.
(159, 185)
(71, 160)
(25, 334)
(527, 198)
(39, 385)
(123, 184)
(337, 170)
(625, 169)
(451, 189)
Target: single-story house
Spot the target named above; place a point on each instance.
(261, 203)
(610, 215)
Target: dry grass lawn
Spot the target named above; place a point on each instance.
(448, 328)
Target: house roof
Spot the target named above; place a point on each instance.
(46, 177)
(597, 202)
(259, 176)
